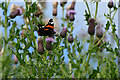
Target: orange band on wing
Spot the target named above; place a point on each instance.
(45, 29)
(49, 26)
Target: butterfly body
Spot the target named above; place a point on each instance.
(47, 30)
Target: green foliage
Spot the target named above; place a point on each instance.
(52, 64)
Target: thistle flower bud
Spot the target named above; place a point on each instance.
(55, 4)
(15, 59)
(110, 4)
(63, 33)
(55, 12)
(71, 17)
(72, 5)
(70, 14)
(15, 11)
(64, 28)
(70, 39)
(49, 41)
(91, 28)
(40, 45)
(14, 14)
(49, 45)
(99, 31)
(63, 2)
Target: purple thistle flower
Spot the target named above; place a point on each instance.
(64, 28)
(71, 12)
(20, 11)
(49, 39)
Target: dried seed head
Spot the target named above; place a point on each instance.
(72, 5)
(70, 39)
(63, 2)
(55, 12)
(15, 59)
(13, 8)
(68, 7)
(110, 4)
(49, 45)
(55, 4)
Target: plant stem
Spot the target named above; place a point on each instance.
(88, 8)
(5, 24)
(96, 10)
(90, 46)
(114, 14)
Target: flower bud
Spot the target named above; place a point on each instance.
(63, 2)
(15, 59)
(15, 11)
(49, 45)
(91, 28)
(64, 28)
(14, 14)
(49, 41)
(63, 33)
(71, 17)
(70, 14)
(70, 39)
(99, 31)
(40, 45)
(55, 12)
(110, 4)
(55, 4)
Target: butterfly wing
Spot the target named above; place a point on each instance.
(48, 30)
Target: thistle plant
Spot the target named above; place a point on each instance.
(30, 49)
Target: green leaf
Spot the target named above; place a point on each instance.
(94, 74)
(87, 16)
(113, 28)
(107, 25)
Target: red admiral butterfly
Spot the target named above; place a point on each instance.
(47, 30)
